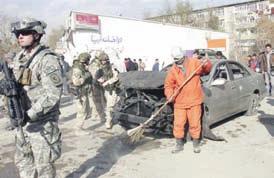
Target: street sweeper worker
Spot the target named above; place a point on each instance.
(187, 103)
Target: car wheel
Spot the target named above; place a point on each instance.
(253, 105)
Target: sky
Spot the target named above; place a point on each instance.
(54, 12)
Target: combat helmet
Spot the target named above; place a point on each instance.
(97, 54)
(29, 24)
(103, 56)
(84, 57)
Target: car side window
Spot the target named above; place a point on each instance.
(238, 71)
(221, 72)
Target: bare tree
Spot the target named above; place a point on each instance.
(180, 14)
(183, 10)
(166, 15)
(8, 42)
(147, 14)
(265, 32)
(213, 21)
(55, 35)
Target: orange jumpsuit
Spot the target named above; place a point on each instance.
(187, 104)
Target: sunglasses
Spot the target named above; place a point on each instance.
(24, 33)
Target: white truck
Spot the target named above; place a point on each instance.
(122, 37)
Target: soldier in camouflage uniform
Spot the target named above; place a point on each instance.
(107, 76)
(38, 70)
(98, 101)
(81, 78)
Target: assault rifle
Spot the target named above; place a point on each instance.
(11, 89)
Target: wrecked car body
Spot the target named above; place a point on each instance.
(230, 88)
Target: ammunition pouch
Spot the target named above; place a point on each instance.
(25, 78)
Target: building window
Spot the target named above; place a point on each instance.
(251, 7)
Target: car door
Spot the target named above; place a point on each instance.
(220, 98)
(241, 78)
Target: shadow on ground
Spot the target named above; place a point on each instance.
(9, 170)
(268, 121)
(227, 120)
(66, 101)
(95, 126)
(270, 101)
(68, 118)
(107, 156)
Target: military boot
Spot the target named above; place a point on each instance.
(179, 146)
(108, 125)
(196, 146)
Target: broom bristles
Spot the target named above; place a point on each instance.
(135, 134)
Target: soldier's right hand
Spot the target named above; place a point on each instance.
(26, 117)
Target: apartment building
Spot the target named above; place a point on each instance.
(238, 19)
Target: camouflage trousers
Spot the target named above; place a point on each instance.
(35, 156)
(111, 99)
(84, 111)
(98, 103)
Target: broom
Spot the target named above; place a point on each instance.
(135, 134)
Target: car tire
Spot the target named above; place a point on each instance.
(253, 105)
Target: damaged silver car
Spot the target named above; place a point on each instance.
(230, 88)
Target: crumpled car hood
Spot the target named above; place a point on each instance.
(142, 79)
